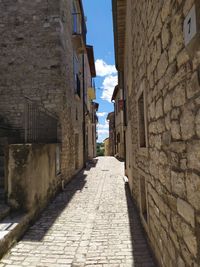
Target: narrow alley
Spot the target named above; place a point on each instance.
(92, 223)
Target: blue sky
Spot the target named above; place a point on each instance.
(100, 35)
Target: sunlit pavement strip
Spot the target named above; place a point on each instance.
(92, 223)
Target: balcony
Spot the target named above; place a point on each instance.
(79, 33)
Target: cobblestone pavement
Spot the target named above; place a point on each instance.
(92, 223)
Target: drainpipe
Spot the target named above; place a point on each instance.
(84, 134)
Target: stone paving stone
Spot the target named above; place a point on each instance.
(92, 223)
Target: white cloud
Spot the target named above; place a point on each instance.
(103, 126)
(101, 114)
(103, 69)
(100, 132)
(103, 131)
(109, 84)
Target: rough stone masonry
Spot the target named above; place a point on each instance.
(164, 175)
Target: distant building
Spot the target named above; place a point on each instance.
(117, 97)
(111, 119)
(91, 106)
(106, 147)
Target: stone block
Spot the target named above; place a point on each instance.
(175, 130)
(179, 97)
(164, 176)
(189, 238)
(193, 189)
(193, 155)
(175, 113)
(168, 122)
(176, 223)
(163, 159)
(165, 35)
(180, 262)
(187, 123)
(167, 103)
(162, 65)
(186, 211)
(178, 76)
(166, 138)
(166, 10)
(193, 85)
(160, 126)
(197, 123)
(178, 183)
(174, 238)
(182, 57)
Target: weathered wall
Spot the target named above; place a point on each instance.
(36, 53)
(157, 60)
(31, 178)
(119, 122)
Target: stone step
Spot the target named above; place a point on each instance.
(12, 229)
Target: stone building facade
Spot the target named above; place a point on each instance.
(117, 98)
(157, 52)
(91, 106)
(111, 119)
(43, 53)
(106, 147)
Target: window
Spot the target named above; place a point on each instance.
(143, 199)
(58, 160)
(77, 83)
(76, 20)
(142, 121)
(76, 151)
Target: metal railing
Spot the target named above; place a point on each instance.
(40, 126)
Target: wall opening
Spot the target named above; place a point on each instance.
(76, 151)
(141, 120)
(143, 198)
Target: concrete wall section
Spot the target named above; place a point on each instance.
(31, 178)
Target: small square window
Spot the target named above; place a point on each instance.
(142, 121)
(141, 118)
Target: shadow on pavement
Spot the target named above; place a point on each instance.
(142, 254)
(91, 164)
(47, 218)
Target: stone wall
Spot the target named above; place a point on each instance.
(165, 173)
(36, 52)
